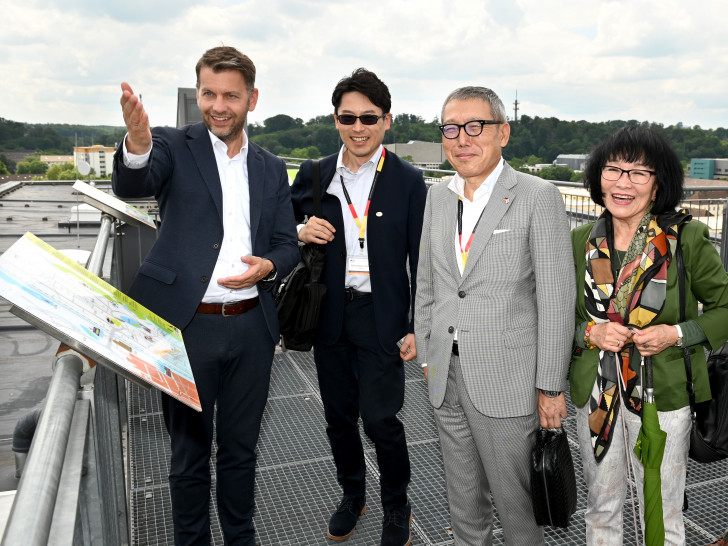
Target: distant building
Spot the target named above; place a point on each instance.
(56, 159)
(187, 110)
(101, 158)
(428, 155)
(708, 169)
(576, 162)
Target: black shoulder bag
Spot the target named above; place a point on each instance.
(709, 431)
(299, 297)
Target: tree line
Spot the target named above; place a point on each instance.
(533, 139)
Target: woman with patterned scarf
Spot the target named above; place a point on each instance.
(627, 308)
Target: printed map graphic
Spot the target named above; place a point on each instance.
(88, 314)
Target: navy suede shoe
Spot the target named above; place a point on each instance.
(397, 526)
(343, 522)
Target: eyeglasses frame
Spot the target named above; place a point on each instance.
(483, 123)
(629, 174)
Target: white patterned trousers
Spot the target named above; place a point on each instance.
(608, 480)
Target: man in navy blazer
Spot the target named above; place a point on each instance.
(373, 204)
(227, 232)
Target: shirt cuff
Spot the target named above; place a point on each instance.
(134, 161)
(692, 333)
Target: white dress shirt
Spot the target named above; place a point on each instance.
(237, 241)
(472, 210)
(358, 184)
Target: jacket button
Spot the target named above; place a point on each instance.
(215, 245)
(204, 279)
(461, 293)
(450, 330)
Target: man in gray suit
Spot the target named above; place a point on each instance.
(494, 319)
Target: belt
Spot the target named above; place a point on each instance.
(455, 350)
(228, 309)
(350, 294)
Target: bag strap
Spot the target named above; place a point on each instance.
(316, 188)
(689, 385)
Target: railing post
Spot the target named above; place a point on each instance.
(724, 236)
(30, 518)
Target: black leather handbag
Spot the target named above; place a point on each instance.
(709, 430)
(553, 482)
(299, 297)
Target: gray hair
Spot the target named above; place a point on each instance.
(483, 93)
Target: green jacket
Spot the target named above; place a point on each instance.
(705, 280)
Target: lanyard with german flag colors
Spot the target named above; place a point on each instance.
(362, 224)
(464, 251)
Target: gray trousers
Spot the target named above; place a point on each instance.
(483, 456)
(607, 481)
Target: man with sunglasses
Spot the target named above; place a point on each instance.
(494, 319)
(372, 204)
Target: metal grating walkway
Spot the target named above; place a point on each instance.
(296, 485)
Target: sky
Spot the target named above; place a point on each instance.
(662, 61)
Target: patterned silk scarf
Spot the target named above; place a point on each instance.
(635, 299)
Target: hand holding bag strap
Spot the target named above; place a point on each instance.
(689, 385)
(316, 188)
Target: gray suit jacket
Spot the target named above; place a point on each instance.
(513, 307)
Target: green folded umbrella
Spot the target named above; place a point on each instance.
(650, 448)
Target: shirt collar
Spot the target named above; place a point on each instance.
(343, 169)
(220, 147)
(457, 183)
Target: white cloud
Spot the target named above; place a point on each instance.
(661, 61)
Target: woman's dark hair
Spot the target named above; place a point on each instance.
(635, 144)
(368, 84)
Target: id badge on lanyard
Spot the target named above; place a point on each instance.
(359, 265)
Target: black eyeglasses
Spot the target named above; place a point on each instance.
(636, 176)
(472, 128)
(366, 119)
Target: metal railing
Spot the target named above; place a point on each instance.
(72, 489)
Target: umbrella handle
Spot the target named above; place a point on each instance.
(649, 381)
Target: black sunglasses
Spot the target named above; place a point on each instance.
(366, 119)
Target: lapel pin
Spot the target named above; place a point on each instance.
(505, 200)
(379, 214)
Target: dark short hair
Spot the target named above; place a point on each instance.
(368, 84)
(227, 58)
(635, 144)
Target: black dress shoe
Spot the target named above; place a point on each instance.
(343, 522)
(397, 526)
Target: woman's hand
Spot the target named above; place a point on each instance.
(654, 339)
(610, 336)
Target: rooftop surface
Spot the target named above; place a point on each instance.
(296, 484)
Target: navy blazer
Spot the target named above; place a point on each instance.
(394, 226)
(182, 175)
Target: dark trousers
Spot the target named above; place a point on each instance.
(231, 361)
(356, 377)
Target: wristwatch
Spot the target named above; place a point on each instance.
(679, 342)
(551, 394)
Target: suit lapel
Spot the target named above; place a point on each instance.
(449, 228)
(500, 200)
(201, 149)
(256, 179)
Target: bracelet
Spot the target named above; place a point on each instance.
(587, 335)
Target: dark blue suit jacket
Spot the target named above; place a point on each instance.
(182, 175)
(393, 239)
